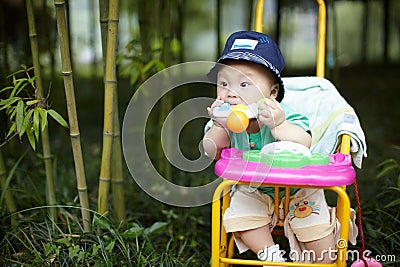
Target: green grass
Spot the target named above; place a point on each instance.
(39, 241)
(153, 234)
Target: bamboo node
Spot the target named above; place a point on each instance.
(110, 81)
(107, 180)
(67, 73)
(59, 4)
(47, 157)
(74, 135)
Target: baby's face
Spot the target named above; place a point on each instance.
(243, 82)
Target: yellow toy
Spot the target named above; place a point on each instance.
(237, 121)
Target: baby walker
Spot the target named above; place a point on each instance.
(283, 164)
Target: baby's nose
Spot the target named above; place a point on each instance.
(232, 93)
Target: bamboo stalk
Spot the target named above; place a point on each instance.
(92, 37)
(4, 43)
(8, 197)
(103, 8)
(72, 114)
(116, 160)
(110, 88)
(146, 17)
(166, 101)
(219, 26)
(50, 47)
(117, 178)
(47, 157)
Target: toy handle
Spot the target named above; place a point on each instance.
(225, 109)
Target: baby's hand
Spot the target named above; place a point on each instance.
(270, 113)
(220, 122)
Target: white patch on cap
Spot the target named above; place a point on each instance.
(244, 44)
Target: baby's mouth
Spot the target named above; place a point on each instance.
(234, 104)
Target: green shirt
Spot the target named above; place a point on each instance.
(245, 141)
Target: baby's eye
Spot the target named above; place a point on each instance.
(224, 84)
(244, 84)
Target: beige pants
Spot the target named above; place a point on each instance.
(309, 216)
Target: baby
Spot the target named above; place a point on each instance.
(248, 72)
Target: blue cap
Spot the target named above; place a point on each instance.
(255, 47)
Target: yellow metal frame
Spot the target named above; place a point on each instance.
(222, 249)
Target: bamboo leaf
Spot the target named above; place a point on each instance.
(19, 85)
(159, 65)
(32, 79)
(134, 77)
(119, 59)
(175, 46)
(126, 69)
(12, 129)
(22, 87)
(32, 102)
(6, 88)
(31, 138)
(26, 124)
(43, 115)
(20, 117)
(148, 66)
(11, 111)
(13, 92)
(15, 73)
(36, 123)
(14, 80)
(58, 118)
(19, 82)
(8, 102)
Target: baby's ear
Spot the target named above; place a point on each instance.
(274, 91)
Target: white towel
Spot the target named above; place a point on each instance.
(329, 113)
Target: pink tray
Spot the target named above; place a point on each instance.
(338, 172)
